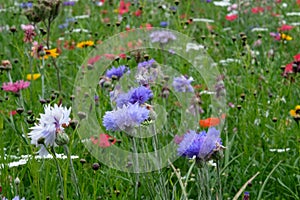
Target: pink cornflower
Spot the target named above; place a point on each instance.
(16, 86)
(29, 32)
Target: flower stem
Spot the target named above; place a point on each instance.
(136, 168)
(58, 170)
(219, 180)
(73, 174)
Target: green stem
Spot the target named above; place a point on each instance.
(73, 174)
(58, 170)
(136, 168)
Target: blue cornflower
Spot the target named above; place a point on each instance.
(202, 145)
(136, 95)
(163, 24)
(146, 64)
(26, 5)
(117, 72)
(125, 118)
(182, 84)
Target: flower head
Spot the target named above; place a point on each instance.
(50, 53)
(163, 37)
(209, 122)
(183, 84)
(117, 73)
(29, 32)
(125, 118)
(136, 95)
(84, 44)
(202, 145)
(50, 124)
(31, 77)
(16, 86)
(103, 140)
(124, 7)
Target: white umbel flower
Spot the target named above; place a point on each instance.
(53, 121)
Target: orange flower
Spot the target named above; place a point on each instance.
(212, 121)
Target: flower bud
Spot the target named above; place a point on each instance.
(61, 138)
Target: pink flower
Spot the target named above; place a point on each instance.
(124, 7)
(29, 32)
(257, 10)
(16, 86)
(285, 27)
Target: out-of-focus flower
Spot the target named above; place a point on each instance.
(50, 125)
(163, 37)
(33, 77)
(124, 7)
(286, 37)
(295, 113)
(209, 122)
(125, 118)
(29, 32)
(285, 27)
(18, 198)
(231, 17)
(84, 44)
(117, 73)
(276, 36)
(246, 196)
(16, 86)
(103, 140)
(163, 24)
(202, 145)
(183, 84)
(69, 3)
(257, 10)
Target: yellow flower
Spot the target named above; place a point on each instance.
(296, 112)
(84, 44)
(285, 37)
(51, 52)
(31, 77)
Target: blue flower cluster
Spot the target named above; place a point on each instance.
(202, 145)
(183, 84)
(136, 95)
(117, 72)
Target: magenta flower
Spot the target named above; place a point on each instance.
(29, 32)
(16, 86)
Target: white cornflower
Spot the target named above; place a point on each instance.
(53, 121)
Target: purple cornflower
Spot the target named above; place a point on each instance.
(182, 84)
(69, 3)
(147, 72)
(136, 95)
(26, 5)
(162, 37)
(117, 72)
(202, 145)
(125, 118)
(246, 196)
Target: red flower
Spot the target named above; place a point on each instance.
(138, 13)
(124, 7)
(93, 60)
(288, 68)
(231, 17)
(212, 121)
(297, 57)
(257, 10)
(103, 140)
(285, 28)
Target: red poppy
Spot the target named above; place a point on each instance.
(231, 17)
(257, 10)
(212, 121)
(124, 7)
(285, 28)
(103, 140)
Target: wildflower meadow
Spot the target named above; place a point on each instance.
(150, 99)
